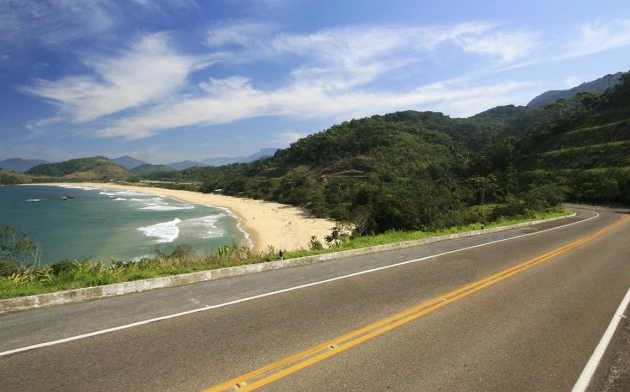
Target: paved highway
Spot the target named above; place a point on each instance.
(520, 310)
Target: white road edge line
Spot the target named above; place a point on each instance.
(591, 366)
(206, 308)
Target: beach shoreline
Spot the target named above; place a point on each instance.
(264, 223)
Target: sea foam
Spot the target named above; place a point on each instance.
(164, 232)
(128, 193)
(85, 188)
(204, 227)
(166, 207)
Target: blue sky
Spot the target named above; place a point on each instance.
(167, 80)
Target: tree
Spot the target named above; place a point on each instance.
(588, 100)
(18, 250)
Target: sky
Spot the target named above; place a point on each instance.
(172, 80)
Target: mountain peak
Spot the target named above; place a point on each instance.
(128, 162)
(220, 161)
(20, 165)
(596, 86)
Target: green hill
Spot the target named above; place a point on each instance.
(405, 170)
(8, 177)
(83, 169)
(587, 151)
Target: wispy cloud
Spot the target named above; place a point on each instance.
(355, 55)
(598, 36)
(147, 71)
(587, 39)
(53, 22)
(59, 24)
(334, 66)
(334, 74)
(244, 33)
(235, 99)
(508, 48)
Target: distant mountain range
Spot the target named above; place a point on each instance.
(220, 161)
(20, 165)
(184, 165)
(131, 163)
(147, 169)
(596, 86)
(102, 167)
(128, 162)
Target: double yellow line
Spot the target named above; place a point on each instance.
(289, 365)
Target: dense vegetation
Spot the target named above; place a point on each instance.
(13, 178)
(586, 153)
(403, 171)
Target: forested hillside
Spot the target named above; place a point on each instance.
(587, 151)
(405, 170)
(12, 178)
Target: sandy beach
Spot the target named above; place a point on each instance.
(266, 223)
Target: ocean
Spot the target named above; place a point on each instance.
(94, 223)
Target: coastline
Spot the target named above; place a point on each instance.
(263, 223)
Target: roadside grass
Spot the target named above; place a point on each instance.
(67, 275)
(401, 236)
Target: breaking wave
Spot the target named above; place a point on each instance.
(204, 227)
(164, 232)
(166, 207)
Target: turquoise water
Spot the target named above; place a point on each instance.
(99, 223)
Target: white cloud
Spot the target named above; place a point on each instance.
(507, 47)
(330, 79)
(284, 139)
(588, 39)
(595, 37)
(242, 101)
(346, 57)
(575, 80)
(147, 71)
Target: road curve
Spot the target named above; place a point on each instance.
(533, 327)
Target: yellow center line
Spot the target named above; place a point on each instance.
(289, 365)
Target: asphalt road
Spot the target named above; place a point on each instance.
(532, 328)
